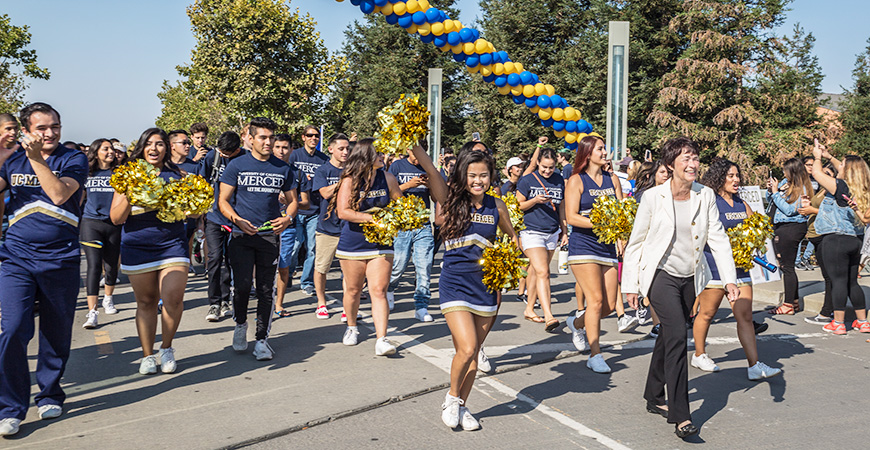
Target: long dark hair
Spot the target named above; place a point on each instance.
(93, 156)
(359, 166)
(584, 151)
(798, 180)
(139, 150)
(646, 176)
(457, 207)
(716, 175)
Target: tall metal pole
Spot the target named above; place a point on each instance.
(617, 90)
(435, 78)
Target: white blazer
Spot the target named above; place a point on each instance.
(653, 231)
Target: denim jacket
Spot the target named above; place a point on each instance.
(834, 219)
(785, 212)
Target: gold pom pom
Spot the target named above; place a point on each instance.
(402, 214)
(187, 196)
(513, 207)
(503, 265)
(748, 237)
(612, 219)
(402, 125)
(140, 182)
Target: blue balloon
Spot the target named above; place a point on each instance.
(497, 57)
(419, 17)
(490, 78)
(405, 21)
(466, 35)
(355, 2)
(513, 79)
(367, 7)
(535, 79)
(392, 19)
(472, 60)
(564, 103)
(453, 38)
(475, 34)
(571, 127)
(558, 126)
(548, 122)
(428, 38)
(439, 41)
(459, 57)
(544, 101)
(526, 77)
(518, 99)
(571, 146)
(504, 56)
(486, 59)
(380, 2)
(584, 126)
(555, 101)
(501, 80)
(432, 14)
(531, 102)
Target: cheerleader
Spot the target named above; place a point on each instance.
(469, 222)
(154, 256)
(724, 177)
(593, 263)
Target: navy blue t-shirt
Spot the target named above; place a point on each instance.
(566, 171)
(543, 217)
(508, 186)
(258, 184)
(301, 161)
(99, 195)
(190, 166)
(37, 228)
(404, 172)
(207, 170)
(327, 175)
(193, 151)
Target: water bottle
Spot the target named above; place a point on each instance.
(563, 260)
(762, 261)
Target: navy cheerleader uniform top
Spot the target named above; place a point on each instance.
(542, 217)
(730, 216)
(145, 233)
(39, 229)
(583, 245)
(100, 193)
(352, 243)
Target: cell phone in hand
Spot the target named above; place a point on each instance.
(848, 199)
(647, 155)
(475, 136)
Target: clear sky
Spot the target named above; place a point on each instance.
(108, 58)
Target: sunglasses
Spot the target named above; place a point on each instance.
(182, 142)
(311, 135)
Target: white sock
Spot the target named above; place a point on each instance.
(354, 328)
(107, 298)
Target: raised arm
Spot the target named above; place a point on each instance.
(826, 181)
(437, 186)
(533, 161)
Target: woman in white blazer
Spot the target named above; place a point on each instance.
(664, 261)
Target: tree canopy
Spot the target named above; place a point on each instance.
(17, 63)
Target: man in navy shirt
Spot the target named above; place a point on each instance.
(40, 263)
(179, 145)
(307, 160)
(413, 181)
(217, 227)
(249, 198)
(282, 150)
(328, 228)
(564, 159)
(199, 134)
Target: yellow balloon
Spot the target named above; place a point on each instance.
(519, 67)
(468, 48)
(456, 49)
(559, 114)
(400, 8)
(457, 25)
(489, 47)
(580, 136)
(550, 89)
(474, 69)
(412, 29)
(504, 90)
(529, 90)
(449, 26)
(413, 6)
(485, 71)
(510, 67)
(480, 46)
(386, 9)
(445, 48)
(539, 89)
(424, 29)
(424, 5)
(534, 109)
(517, 90)
(544, 114)
(570, 114)
(437, 28)
(561, 134)
(498, 69)
(376, 10)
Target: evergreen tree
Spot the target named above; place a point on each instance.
(856, 112)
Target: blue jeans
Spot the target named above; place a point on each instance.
(807, 253)
(306, 226)
(287, 248)
(422, 243)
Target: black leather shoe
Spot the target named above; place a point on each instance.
(759, 327)
(686, 431)
(655, 409)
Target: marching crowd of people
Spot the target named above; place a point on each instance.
(277, 207)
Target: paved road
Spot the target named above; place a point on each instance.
(317, 393)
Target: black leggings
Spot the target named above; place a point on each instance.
(842, 255)
(110, 235)
(827, 306)
(787, 239)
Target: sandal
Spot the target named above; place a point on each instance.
(536, 319)
(552, 324)
(651, 407)
(282, 313)
(785, 308)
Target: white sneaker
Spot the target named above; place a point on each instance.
(422, 315)
(643, 315)
(468, 422)
(351, 336)
(148, 366)
(483, 364)
(391, 300)
(263, 351)
(761, 371)
(597, 364)
(704, 363)
(450, 410)
(91, 322)
(240, 337)
(383, 347)
(167, 360)
(626, 323)
(578, 335)
(109, 305)
(9, 426)
(47, 412)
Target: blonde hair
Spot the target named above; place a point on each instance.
(798, 180)
(633, 168)
(856, 174)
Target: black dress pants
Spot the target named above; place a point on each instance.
(217, 264)
(247, 252)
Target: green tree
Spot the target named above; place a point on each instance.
(183, 106)
(856, 110)
(17, 63)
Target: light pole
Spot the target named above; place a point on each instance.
(617, 89)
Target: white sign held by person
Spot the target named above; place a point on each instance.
(752, 195)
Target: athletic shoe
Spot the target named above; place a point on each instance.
(483, 364)
(801, 266)
(322, 313)
(103, 282)
(863, 327)
(309, 290)
(91, 322)
(148, 366)
(422, 315)
(835, 327)
(656, 329)
(214, 313)
(450, 410)
(383, 347)
(626, 323)
(109, 306)
(578, 335)
(240, 337)
(818, 320)
(191, 270)
(522, 298)
(351, 336)
(160, 307)
(468, 422)
(597, 364)
(760, 327)
(9, 426)
(643, 315)
(225, 310)
(391, 300)
(167, 360)
(344, 317)
(761, 371)
(263, 351)
(704, 363)
(47, 412)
